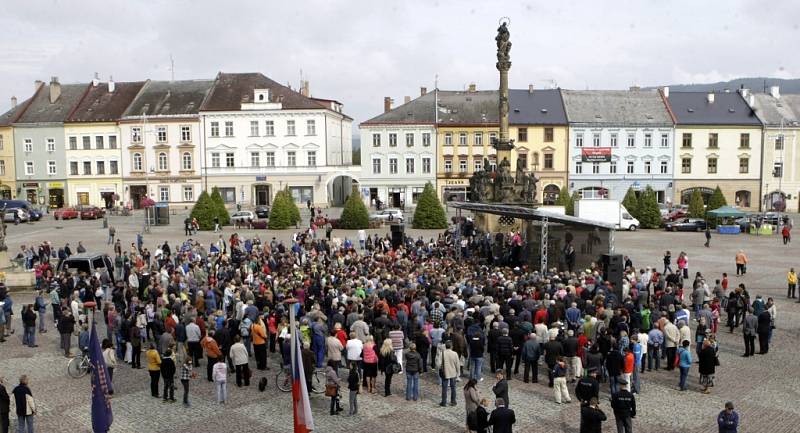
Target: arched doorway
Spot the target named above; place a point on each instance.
(550, 194)
(686, 195)
(775, 201)
(340, 187)
(742, 198)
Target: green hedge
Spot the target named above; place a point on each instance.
(429, 213)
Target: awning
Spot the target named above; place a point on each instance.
(726, 212)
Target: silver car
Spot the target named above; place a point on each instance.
(243, 216)
(388, 215)
(15, 216)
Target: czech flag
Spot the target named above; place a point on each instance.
(303, 420)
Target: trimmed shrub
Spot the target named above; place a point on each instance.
(218, 205)
(717, 199)
(203, 211)
(631, 202)
(429, 213)
(696, 205)
(355, 214)
(281, 216)
(649, 214)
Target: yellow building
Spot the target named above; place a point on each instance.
(93, 150)
(8, 184)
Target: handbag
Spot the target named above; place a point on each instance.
(331, 390)
(396, 368)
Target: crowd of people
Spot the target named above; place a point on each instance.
(421, 308)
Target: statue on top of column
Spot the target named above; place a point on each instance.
(503, 43)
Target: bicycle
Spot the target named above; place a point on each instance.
(284, 379)
(78, 366)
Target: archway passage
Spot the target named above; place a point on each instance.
(686, 195)
(339, 189)
(775, 201)
(550, 194)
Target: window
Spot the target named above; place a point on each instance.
(311, 127)
(612, 167)
(492, 137)
(270, 159)
(136, 134)
(392, 140)
(579, 139)
(664, 167)
(462, 165)
(410, 165)
(448, 165)
(426, 139)
(744, 165)
(73, 168)
(229, 159)
(578, 168)
(73, 143)
(686, 165)
(312, 158)
(648, 140)
(51, 144)
(522, 160)
(614, 139)
(777, 169)
(630, 167)
(228, 194)
(631, 140)
(462, 139)
(409, 140)
(477, 164)
(113, 167)
(548, 135)
(548, 161)
(112, 141)
(87, 143)
(1, 141)
(478, 139)
(779, 142)
(595, 167)
(647, 167)
(161, 134)
(376, 140)
(522, 134)
(163, 193)
(99, 143)
(687, 140)
(291, 158)
(137, 162)
(744, 140)
(215, 159)
(188, 193)
(392, 165)
(254, 128)
(664, 140)
(163, 162)
(186, 134)
(229, 128)
(415, 193)
(426, 165)
(596, 140)
(492, 163)
(712, 165)
(186, 161)
(51, 168)
(302, 194)
(215, 129)
(87, 167)
(713, 140)
(448, 139)
(255, 159)
(269, 128)
(376, 166)
(29, 168)
(290, 127)
(101, 167)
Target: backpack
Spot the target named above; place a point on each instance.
(244, 328)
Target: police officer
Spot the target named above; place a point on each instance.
(624, 406)
(587, 387)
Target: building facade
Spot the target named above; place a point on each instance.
(398, 152)
(538, 124)
(619, 140)
(261, 137)
(8, 179)
(93, 148)
(161, 140)
(718, 143)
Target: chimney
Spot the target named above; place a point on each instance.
(775, 91)
(55, 90)
(423, 91)
(710, 98)
(665, 91)
(387, 104)
(744, 92)
(111, 84)
(96, 80)
(37, 84)
(530, 89)
(304, 89)
(751, 100)
(406, 99)
(473, 87)
(13, 101)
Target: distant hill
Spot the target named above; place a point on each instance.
(758, 84)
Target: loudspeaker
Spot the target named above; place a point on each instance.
(613, 268)
(398, 233)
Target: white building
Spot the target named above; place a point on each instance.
(619, 140)
(398, 152)
(262, 137)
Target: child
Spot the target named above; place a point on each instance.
(186, 375)
(352, 385)
(220, 374)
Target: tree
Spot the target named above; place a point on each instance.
(281, 216)
(570, 210)
(631, 202)
(354, 214)
(429, 213)
(219, 209)
(203, 211)
(717, 199)
(649, 214)
(696, 205)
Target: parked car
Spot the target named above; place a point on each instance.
(66, 213)
(262, 211)
(16, 216)
(388, 215)
(243, 216)
(92, 213)
(675, 215)
(686, 225)
(88, 263)
(33, 213)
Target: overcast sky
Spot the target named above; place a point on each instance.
(360, 51)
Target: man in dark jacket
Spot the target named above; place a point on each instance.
(592, 417)
(530, 356)
(588, 387)
(614, 368)
(764, 328)
(517, 335)
(21, 392)
(624, 405)
(570, 346)
(500, 389)
(168, 373)
(502, 418)
(5, 407)
(505, 352)
(476, 342)
(552, 350)
(728, 419)
(491, 344)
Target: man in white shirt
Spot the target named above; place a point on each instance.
(193, 341)
(643, 340)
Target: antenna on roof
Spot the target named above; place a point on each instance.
(171, 67)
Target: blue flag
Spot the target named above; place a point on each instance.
(101, 387)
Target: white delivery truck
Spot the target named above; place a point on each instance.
(606, 211)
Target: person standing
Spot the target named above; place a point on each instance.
(764, 328)
(592, 417)
(186, 376)
(23, 398)
(168, 373)
(332, 382)
(477, 345)
(66, 326)
(448, 365)
(505, 351)
(741, 263)
(213, 353)
(786, 232)
(353, 387)
(749, 331)
(624, 405)
(471, 401)
(258, 332)
(684, 363)
(240, 362)
(791, 279)
(708, 237)
(29, 326)
(154, 368)
(552, 351)
(728, 419)
(708, 365)
(587, 387)
(193, 336)
(530, 357)
(413, 366)
(560, 381)
(5, 406)
(500, 388)
(110, 358)
(112, 232)
(220, 375)
(386, 362)
(502, 418)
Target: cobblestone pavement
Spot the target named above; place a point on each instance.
(764, 388)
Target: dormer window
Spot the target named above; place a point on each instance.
(261, 96)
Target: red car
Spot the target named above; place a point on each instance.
(92, 213)
(675, 215)
(66, 213)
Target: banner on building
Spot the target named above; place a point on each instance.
(596, 154)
